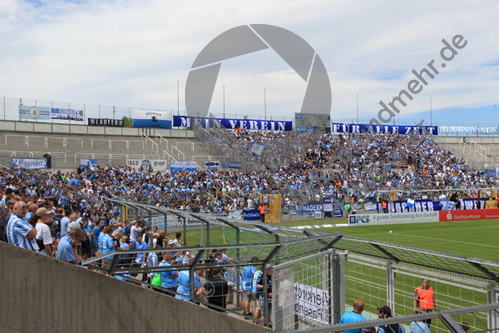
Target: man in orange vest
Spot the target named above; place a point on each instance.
(425, 299)
(385, 206)
(261, 209)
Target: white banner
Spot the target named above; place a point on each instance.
(147, 165)
(66, 114)
(155, 119)
(311, 303)
(392, 218)
(29, 163)
(467, 129)
(180, 166)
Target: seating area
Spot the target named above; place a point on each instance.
(67, 149)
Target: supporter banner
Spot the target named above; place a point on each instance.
(393, 218)
(180, 166)
(311, 303)
(147, 165)
(250, 124)
(313, 208)
(155, 119)
(235, 165)
(34, 112)
(66, 114)
(106, 122)
(212, 165)
(467, 129)
(368, 206)
(251, 215)
(427, 205)
(388, 129)
(85, 162)
(29, 163)
(257, 148)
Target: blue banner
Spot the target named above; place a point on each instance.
(251, 215)
(250, 124)
(34, 112)
(429, 205)
(183, 166)
(388, 129)
(29, 163)
(235, 165)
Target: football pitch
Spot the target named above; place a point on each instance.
(475, 238)
(466, 238)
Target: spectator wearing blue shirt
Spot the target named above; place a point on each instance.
(169, 278)
(386, 312)
(19, 232)
(108, 245)
(354, 316)
(246, 279)
(65, 222)
(184, 287)
(67, 248)
(420, 326)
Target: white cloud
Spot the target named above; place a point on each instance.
(130, 53)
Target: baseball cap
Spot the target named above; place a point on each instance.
(43, 211)
(386, 310)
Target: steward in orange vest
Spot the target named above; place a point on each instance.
(424, 298)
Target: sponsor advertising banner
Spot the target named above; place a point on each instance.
(154, 119)
(311, 303)
(66, 114)
(393, 218)
(427, 205)
(388, 129)
(29, 163)
(106, 122)
(179, 166)
(462, 215)
(147, 165)
(251, 214)
(251, 124)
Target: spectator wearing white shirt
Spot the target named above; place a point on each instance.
(43, 222)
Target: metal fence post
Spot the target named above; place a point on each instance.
(492, 315)
(390, 287)
(337, 300)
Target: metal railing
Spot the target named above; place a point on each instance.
(162, 139)
(178, 153)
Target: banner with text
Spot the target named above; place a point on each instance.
(475, 214)
(393, 218)
(467, 129)
(106, 122)
(428, 205)
(147, 165)
(151, 119)
(311, 303)
(250, 124)
(66, 114)
(29, 163)
(388, 129)
(183, 166)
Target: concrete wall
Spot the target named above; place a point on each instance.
(57, 127)
(41, 294)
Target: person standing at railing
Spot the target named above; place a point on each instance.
(386, 312)
(354, 316)
(424, 298)
(419, 326)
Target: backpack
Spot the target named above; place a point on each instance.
(126, 232)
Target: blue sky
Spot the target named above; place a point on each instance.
(131, 54)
